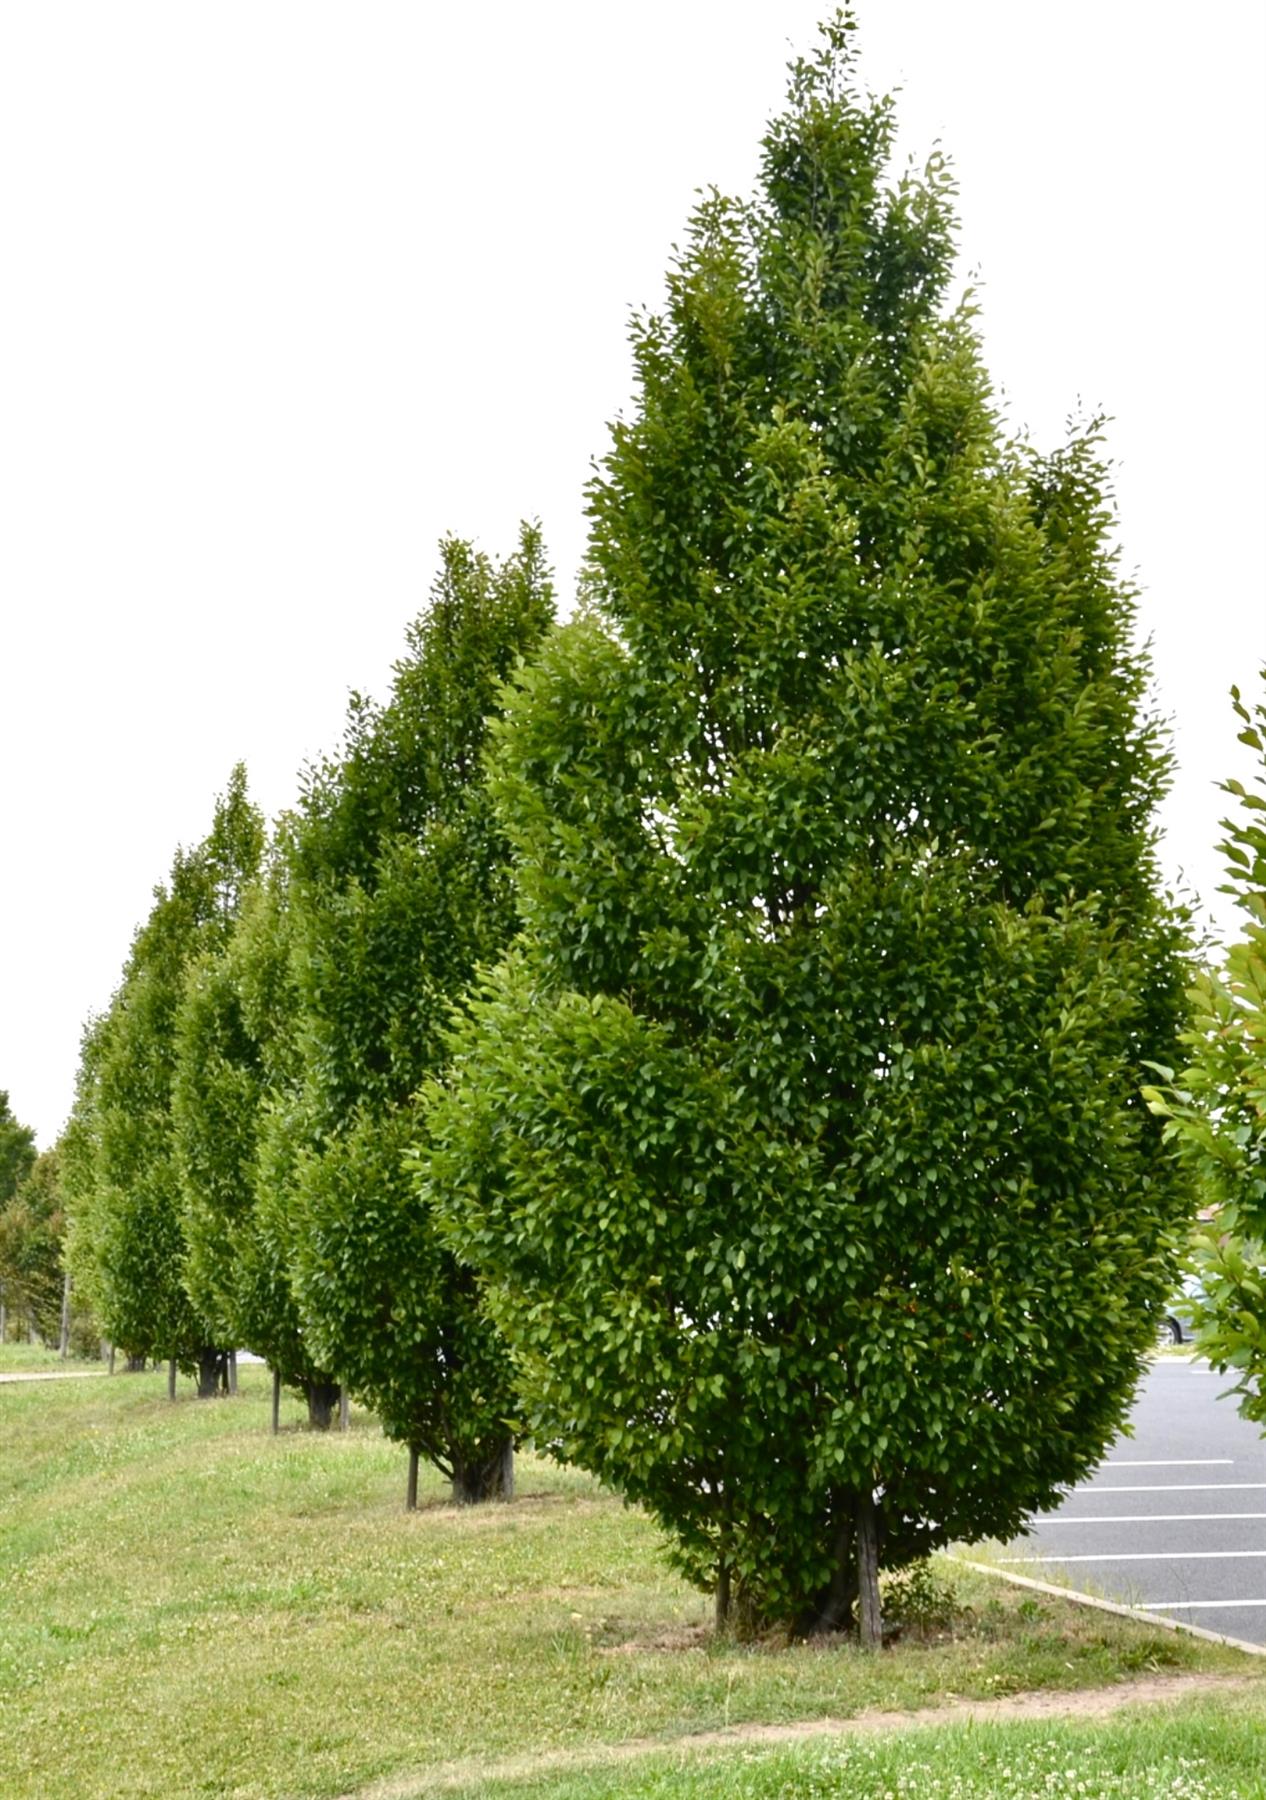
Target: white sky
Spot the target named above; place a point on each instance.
(291, 290)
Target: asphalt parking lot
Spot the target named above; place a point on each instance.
(1174, 1518)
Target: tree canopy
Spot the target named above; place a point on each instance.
(798, 1141)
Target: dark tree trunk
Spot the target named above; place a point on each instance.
(135, 1365)
(485, 1477)
(210, 1372)
(322, 1399)
(171, 1378)
(233, 1372)
(723, 1597)
(833, 1610)
(411, 1485)
(276, 1401)
(871, 1625)
(110, 1357)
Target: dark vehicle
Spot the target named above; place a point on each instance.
(1175, 1325)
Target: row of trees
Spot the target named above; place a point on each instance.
(235, 1156)
(715, 1047)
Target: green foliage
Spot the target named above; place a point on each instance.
(31, 1228)
(398, 888)
(799, 1141)
(17, 1150)
(129, 1237)
(237, 1061)
(1215, 1109)
(21, 1233)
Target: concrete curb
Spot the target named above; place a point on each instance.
(1110, 1606)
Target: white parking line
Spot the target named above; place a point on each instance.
(1139, 1518)
(1190, 1605)
(1175, 1487)
(1143, 1556)
(1180, 1462)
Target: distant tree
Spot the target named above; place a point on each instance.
(17, 1154)
(17, 1150)
(1215, 1107)
(799, 1140)
(31, 1227)
(123, 1152)
(399, 887)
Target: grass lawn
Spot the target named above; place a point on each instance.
(27, 1359)
(189, 1606)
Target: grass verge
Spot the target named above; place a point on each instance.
(189, 1606)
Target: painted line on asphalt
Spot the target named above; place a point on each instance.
(1139, 1518)
(1142, 1556)
(1163, 1462)
(1176, 1487)
(1110, 1606)
(1193, 1605)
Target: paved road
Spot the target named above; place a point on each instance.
(1174, 1518)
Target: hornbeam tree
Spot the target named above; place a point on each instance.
(798, 1142)
(399, 887)
(237, 1063)
(124, 1172)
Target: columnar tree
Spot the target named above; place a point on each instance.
(799, 1140)
(131, 1230)
(237, 1064)
(1216, 1107)
(399, 888)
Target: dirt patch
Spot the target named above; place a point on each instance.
(54, 1375)
(664, 1637)
(1048, 1703)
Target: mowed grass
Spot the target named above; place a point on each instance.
(189, 1606)
(29, 1359)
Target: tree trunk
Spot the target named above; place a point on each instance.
(276, 1401)
(210, 1371)
(135, 1365)
(171, 1378)
(833, 1608)
(107, 1354)
(490, 1477)
(411, 1486)
(233, 1372)
(871, 1626)
(344, 1409)
(723, 1597)
(4, 1319)
(322, 1399)
(63, 1345)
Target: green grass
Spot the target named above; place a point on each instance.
(25, 1359)
(189, 1606)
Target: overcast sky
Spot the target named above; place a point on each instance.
(290, 291)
